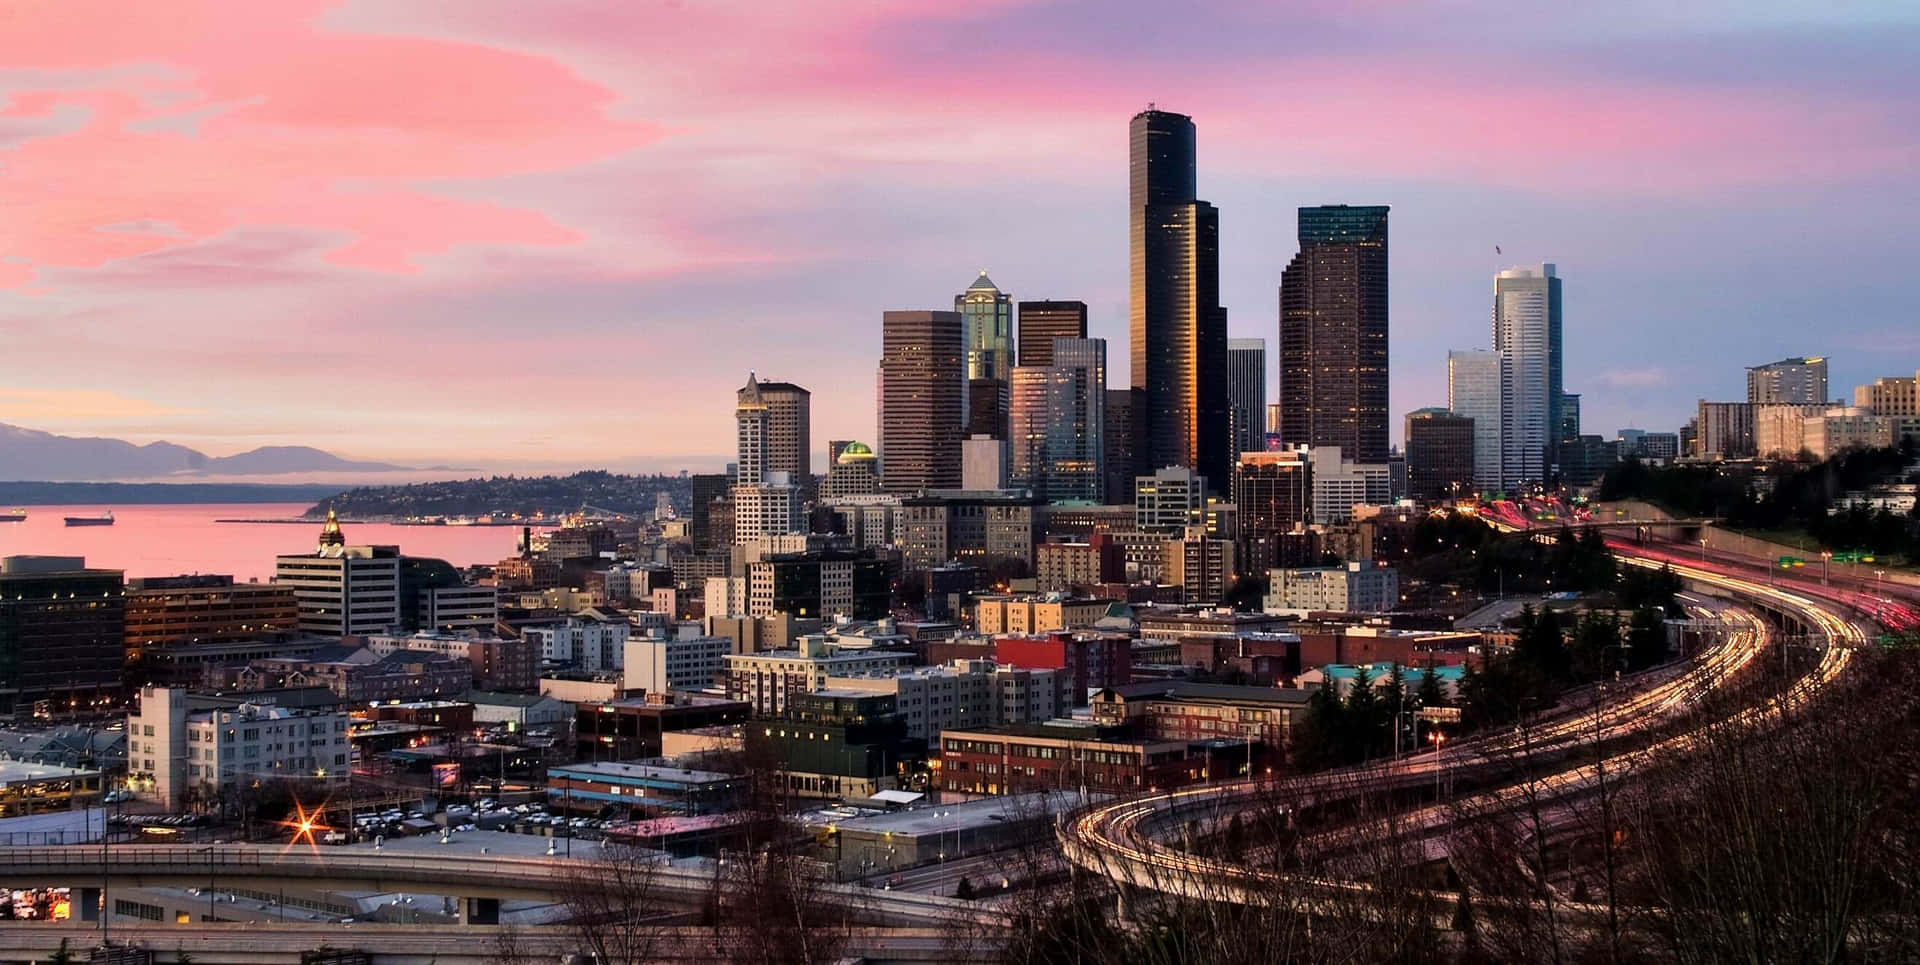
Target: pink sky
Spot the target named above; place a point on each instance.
(559, 234)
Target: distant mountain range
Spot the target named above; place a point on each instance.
(29, 454)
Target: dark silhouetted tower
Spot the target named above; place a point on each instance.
(1178, 329)
(1333, 333)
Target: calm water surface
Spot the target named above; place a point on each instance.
(170, 540)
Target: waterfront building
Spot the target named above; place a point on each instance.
(343, 590)
(62, 635)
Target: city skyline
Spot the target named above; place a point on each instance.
(481, 250)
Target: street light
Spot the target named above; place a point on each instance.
(1703, 549)
(1825, 556)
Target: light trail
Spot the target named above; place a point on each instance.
(1113, 839)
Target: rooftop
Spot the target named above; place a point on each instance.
(1184, 689)
(636, 771)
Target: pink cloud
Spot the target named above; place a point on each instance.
(265, 120)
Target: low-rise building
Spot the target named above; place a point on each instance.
(770, 679)
(185, 750)
(1059, 567)
(1085, 661)
(963, 694)
(678, 658)
(642, 790)
(357, 674)
(1071, 756)
(498, 663)
(995, 615)
(1353, 588)
(629, 728)
(1182, 710)
(593, 641)
(520, 712)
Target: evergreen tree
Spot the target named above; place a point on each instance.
(1430, 693)
(1362, 717)
(1393, 703)
(1315, 743)
(1646, 638)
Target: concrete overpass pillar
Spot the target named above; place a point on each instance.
(479, 911)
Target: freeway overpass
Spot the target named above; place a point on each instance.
(242, 944)
(1123, 840)
(480, 881)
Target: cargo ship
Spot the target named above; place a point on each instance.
(13, 515)
(104, 519)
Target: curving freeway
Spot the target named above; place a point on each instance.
(1124, 840)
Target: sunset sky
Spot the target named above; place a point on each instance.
(558, 234)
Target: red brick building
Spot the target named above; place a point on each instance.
(1069, 756)
(1091, 661)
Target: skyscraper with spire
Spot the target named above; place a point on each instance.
(1178, 329)
(987, 313)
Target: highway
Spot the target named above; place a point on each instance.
(457, 875)
(1119, 839)
(241, 944)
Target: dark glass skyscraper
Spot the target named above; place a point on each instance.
(1333, 333)
(923, 375)
(1178, 329)
(1042, 322)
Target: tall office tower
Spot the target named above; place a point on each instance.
(988, 316)
(1333, 333)
(773, 431)
(987, 401)
(1056, 426)
(343, 590)
(1795, 381)
(1120, 448)
(1247, 394)
(923, 395)
(1273, 425)
(750, 418)
(1526, 328)
(1476, 388)
(1569, 416)
(706, 487)
(1178, 329)
(1273, 493)
(1042, 322)
(1439, 455)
